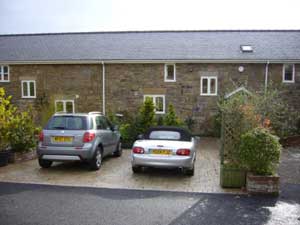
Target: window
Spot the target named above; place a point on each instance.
(209, 86)
(102, 123)
(170, 73)
(67, 123)
(4, 74)
(164, 135)
(246, 48)
(64, 106)
(28, 89)
(288, 73)
(158, 101)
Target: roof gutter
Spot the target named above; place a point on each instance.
(119, 61)
(103, 87)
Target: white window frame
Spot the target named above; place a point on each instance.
(209, 78)
(2, 73)
(283, 73)
(28, 88)
(166, 72)
(154, 102)
(64, 101)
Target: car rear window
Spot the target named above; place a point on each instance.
(164, 135)
(67, 123)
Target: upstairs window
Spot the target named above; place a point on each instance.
(4, 74)
(158, 101)
(288, 73)
(28, 89)
(209, 86)
(64, 106)
(170, 73)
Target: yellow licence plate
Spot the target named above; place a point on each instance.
(161, 152)
(62, 139)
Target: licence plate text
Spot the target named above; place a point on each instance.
(161, 152)
(62, 139)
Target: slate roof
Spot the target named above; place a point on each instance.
(151, 45)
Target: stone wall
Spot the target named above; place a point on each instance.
(126, 84)
(81, 83)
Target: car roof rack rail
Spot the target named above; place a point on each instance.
(95, 112)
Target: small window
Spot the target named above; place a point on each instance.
(209, 86)
(28, 89)
(4, 74)
(158, 101)
(101, 123)
(164, 135)
(246, 48)
(288, 73)
(170, 73)
(64, 106)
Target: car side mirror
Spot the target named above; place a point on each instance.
(140, 137)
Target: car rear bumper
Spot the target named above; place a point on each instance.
(54, 153)
(163, 161)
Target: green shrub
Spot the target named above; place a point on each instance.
(22, 132)
(7, 111)
(190, 122)
(259, 151)
(171, 119)
(146, 116)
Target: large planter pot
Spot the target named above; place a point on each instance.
(4, 155)
(16, 157)
(257, 184)
(232, 177)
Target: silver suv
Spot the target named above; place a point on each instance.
(78, 137)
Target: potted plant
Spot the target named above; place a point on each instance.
(259, 153)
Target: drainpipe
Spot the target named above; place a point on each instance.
(266, 75)
(103, 88)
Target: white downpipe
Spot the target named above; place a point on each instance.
(266, 75)
(103, 88)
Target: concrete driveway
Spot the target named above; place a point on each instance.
(116, 173)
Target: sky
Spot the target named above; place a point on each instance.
(51, 16)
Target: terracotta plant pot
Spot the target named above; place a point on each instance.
(257, 184)
(4, 155)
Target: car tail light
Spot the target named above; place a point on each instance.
(88, 137)
(138, 150)
(183, 151)
(41, 136)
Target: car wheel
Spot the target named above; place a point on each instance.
(119, 150)
(188, 171)
(136, 169)
(45, 163)
(96, 161)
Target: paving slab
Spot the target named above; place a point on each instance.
(117, 173)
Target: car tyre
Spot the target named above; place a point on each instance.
(96, 161)
(136, 169)
(118, 152)
(45, 163)
(188, 171)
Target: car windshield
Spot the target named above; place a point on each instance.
(164, 135)
(67, 123)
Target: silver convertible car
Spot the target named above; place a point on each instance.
(165, 147)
